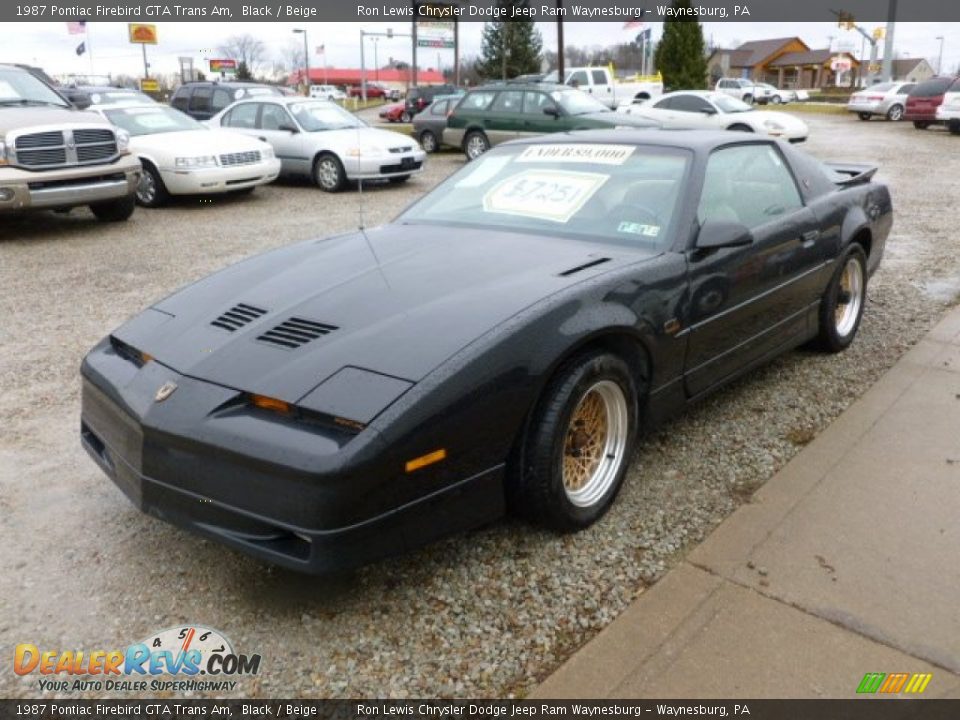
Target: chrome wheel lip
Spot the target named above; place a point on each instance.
(614, 450)
(851, 282)
(328, 174)
(476, 146)
(146, 188)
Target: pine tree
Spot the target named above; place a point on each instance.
(510, 49)
(680, 53)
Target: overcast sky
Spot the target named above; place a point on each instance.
(49, 45)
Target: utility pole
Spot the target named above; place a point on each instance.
(888, 45)
(306, 59)
(560, 68)
(940, 57)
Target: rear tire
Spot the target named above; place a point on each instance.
(475, 144)
(954, 127)
(895, 113)
(579, 443)
(328, 173)
(864, 116)
(428, 141)
(114, 210)
(841, 308)
(921, 124)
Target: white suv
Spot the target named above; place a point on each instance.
(743, 89)
(327, 92)
(949, 111)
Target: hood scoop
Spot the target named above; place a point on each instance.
(238, 316)
(295, 332)
(585, 266)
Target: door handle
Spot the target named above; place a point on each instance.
(810, 237)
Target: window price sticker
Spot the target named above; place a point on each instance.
(555, 195)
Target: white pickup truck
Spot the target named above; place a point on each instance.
(600, 82)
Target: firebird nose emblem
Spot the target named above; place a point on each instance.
(165, 391)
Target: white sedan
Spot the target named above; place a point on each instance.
(320, 140)
(181, 156)
(705, 110)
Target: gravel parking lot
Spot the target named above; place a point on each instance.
(483, 614)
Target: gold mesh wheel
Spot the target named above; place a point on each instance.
(595, 443)
(849, 298)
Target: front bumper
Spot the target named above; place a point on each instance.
(67, 187)
(386, 165)
(219, 179)
(310, 499)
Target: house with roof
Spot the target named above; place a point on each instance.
(912, 70)
(784, 62)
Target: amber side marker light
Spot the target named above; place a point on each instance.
(146, 357)
(268, 403)
(424, 460)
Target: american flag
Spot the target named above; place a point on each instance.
(77, 28)
(320, 49)
(636, 23)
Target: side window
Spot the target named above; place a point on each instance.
(508, 101)
(599, 77)
(724, 84)
(200, 100)
(906, 88)
(749, 184)
(273, 116)
(439, 107)
(665, 104)
(476, 101)
(690, 103)
(181, 98)
(242, 116)
(221, 98)
(578, 79)
(535, 102)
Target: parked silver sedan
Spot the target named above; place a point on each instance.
(321, 140)
(884, 99)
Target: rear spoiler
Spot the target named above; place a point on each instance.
(852, 173)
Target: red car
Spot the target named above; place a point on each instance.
(373, 91)
(925, 98)
(397, 112)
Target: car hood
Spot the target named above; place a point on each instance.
(365, 137)
(434, 291)
(16, 117)
(619, 118)
(757, 118)
(196, 142)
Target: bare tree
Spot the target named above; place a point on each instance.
(290, 58)
(245, 49)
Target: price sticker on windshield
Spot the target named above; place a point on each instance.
(555, 195)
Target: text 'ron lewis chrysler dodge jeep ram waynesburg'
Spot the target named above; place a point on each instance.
(55, 157)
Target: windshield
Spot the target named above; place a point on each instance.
(575, 102)
(119, 97)
(322, 115)
(18, 87)
(729, 104)
(625, 194)
(152, 120)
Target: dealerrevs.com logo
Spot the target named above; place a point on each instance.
(177, 659)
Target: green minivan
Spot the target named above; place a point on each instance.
(493, 114)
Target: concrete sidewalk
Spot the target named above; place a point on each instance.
(845, 562)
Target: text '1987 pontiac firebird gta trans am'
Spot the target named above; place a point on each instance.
(501, 345)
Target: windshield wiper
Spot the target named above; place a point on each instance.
(29, 101)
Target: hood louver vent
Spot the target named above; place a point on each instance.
(238, 316)
(295, 332)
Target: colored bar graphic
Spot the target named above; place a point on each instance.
(893, 683)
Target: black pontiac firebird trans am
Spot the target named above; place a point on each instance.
(501, 344)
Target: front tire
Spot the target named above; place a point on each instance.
(841, 308)
(579, 443)
(475, 144)
(776, 100)
(405, 117)
(114, 210)
(328, 173)
(151, 192)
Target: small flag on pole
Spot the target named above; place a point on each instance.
(320, 49)
(81, 48)
(77, 28)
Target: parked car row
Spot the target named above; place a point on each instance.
(926, 103)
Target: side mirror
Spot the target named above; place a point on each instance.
(82, 103)
(552, 110)
(288, 128)
(723, 234)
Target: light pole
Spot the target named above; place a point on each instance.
(940, 58)
(306, 60)
(376, 61)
